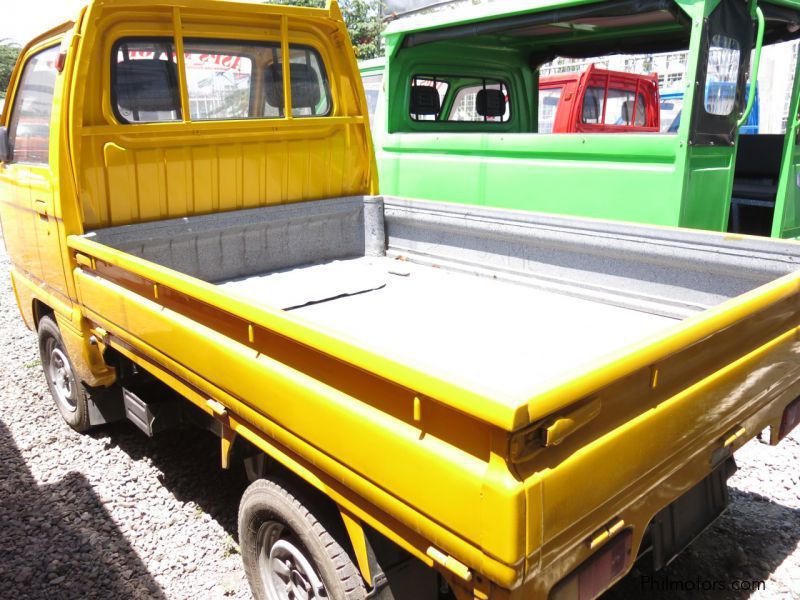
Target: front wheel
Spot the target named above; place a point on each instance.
(287, 551)
(67, 391)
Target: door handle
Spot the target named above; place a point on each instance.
(40, 206)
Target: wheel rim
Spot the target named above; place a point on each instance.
(62, 378)
(286, 573)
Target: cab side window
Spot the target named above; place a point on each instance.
(29, 130)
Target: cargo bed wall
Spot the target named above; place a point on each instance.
(668, 272)
(234, 244)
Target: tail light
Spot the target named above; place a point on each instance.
(61, 59)
(790, 419)
(598, 572)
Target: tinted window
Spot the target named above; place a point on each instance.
(29, 131)
(145, 81)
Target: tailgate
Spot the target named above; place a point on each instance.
(633, 435)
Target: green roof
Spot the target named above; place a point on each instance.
(503, 8)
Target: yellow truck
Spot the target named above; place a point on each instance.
(432, 399)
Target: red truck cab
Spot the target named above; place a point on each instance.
(598, 101)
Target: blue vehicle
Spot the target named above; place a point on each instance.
(672, 104)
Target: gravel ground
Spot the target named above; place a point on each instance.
(113, 514)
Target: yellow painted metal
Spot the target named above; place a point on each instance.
(183, 88)
(626, 361)
(237, 377)
(217, 407)
(606, 533)
(285, 64)
(451, 564)
(567, 424)
(734, 437)
(356, 533)
(497, 411)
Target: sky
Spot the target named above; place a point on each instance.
(24, 19)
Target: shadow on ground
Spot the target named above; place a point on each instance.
(189, 460)
(58, 541)
(735, 554)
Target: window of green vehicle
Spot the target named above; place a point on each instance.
(548, 105)
(723, 72)
(427, 97)
(474, 103)
(372, 87)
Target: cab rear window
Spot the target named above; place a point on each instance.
(144, 81)
(225, 80)
(458, 99)
(613, 106)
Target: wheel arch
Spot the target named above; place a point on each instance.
(39, 310)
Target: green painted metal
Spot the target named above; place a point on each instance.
(787, 206)
(649, 178)
(751, 96)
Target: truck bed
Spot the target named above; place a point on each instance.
(499, 301)
(610, 365)
(498, 337)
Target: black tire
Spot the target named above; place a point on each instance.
(270, 513)
(68, 392)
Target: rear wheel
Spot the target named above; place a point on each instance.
(67, 391)
(288, 552)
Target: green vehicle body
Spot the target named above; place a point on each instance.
(684, 179)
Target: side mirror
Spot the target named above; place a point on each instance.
(5, 150)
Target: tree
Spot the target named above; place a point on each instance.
(8, 58)
(363, 18)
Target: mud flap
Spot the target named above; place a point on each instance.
(677, 525)
(106, 406)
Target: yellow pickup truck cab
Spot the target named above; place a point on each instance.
(432, 399)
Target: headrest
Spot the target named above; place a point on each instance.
(590, 112)
(490, 103)
(424, 100)
(626, 111)
(147, 85)
(306, 88)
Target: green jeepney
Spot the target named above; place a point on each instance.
(458, 107)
